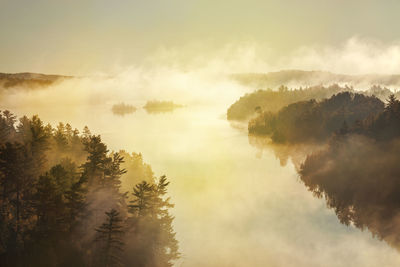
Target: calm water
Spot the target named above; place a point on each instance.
(235, 205)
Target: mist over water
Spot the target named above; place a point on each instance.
(234, 205)
(266, 133)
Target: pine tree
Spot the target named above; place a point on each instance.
(60, 137)
(152, 225)
(34, 136)
(168, 245)
(18, 177)
(68, 132)
(109, 240)
(7, 130)
(76, 201)
(143, 194)
(96, 160)
(49, 204)
(113, 172)
(86, 134)
(391, 102)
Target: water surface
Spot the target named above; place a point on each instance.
(235, 205)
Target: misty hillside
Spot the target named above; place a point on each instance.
(269, 100)
(28, 79)
(313, 120)
(357, 173)
(65, 194)
(311, 78)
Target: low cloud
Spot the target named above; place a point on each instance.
(357, 55)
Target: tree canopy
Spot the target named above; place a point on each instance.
(63, 201)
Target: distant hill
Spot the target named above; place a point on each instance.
(296, 78)
(28, 80)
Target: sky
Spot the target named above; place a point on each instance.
(83, 36)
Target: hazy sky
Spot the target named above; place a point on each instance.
(80, 36)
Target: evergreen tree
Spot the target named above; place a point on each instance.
(391, 102)
(60, 137)
(152, 225)
(143, 194)
(86, 134)
(113, 172)
(96, 160)
(76, 201)
(7, 129)
(47, 204)
(167, 251)
(18, 177)
(109, 241)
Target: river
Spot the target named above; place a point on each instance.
(234, 204)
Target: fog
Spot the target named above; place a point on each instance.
(347, 174)
(235, 204)
(357, 55)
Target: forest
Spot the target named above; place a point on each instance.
(29, 80)
(122, 109)
(358, 152)
(157, 106)
(358, 174)
(313, 120)
(179, 133)
(66, 200)
(252, 104)
(344, 148)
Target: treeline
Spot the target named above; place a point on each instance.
(151, 107)
(354, 165)
(29, 80)
(62, 202)
(315, 121)
(260, 101)
(355, 168)
(122, 109)
(156, 106)
(359, 176)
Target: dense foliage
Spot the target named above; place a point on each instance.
(272, 101)
(355, 166)
(250, 105)
(29, 80)
(62, 202)
(315, 121)
(156, 106)
(358, 173)
(122, 109)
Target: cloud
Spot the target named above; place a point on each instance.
(231, 202)
(356, 55)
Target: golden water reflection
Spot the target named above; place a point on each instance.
(232, 206)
